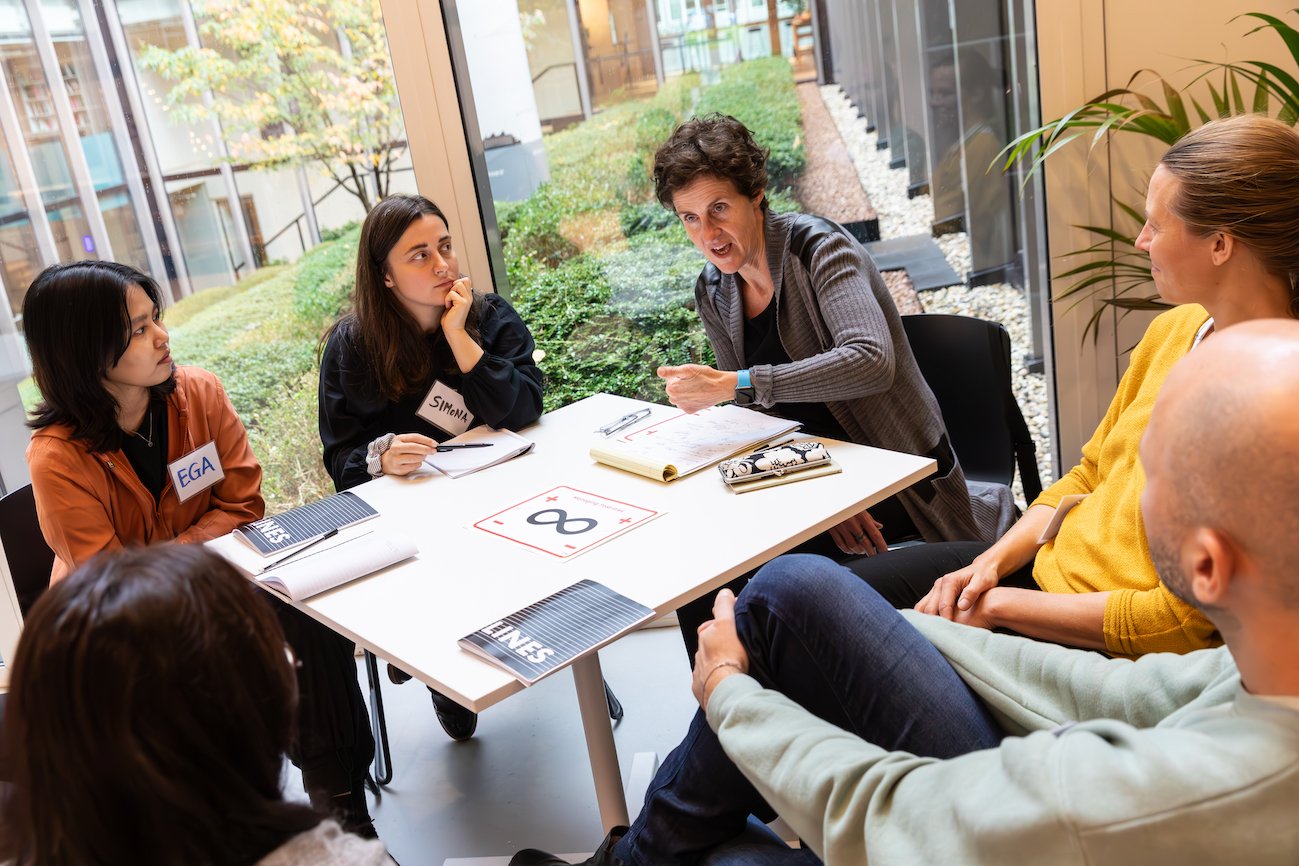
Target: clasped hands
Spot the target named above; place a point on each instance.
(963, 595)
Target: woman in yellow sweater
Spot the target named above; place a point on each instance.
(1222, 212)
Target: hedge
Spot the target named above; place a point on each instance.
(601, 273)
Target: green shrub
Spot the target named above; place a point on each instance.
(761, 95)
(325, 275)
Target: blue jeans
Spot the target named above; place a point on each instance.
(818, 634)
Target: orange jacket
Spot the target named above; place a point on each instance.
(89, 501)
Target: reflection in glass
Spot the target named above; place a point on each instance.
(18, 251)
(40, 128)
(90, 113)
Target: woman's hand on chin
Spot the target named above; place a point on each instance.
(460, 298)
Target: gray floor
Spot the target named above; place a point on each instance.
(524, 779)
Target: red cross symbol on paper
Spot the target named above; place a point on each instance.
(625, 520)
(552, 498)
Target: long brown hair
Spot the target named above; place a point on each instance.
(1240, 176)
(150, 707)
(390, 340)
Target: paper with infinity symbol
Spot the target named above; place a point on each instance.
(564, 522)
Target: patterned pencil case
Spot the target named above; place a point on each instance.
(776, 460)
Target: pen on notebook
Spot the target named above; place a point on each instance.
(330, 534)
(466, 445)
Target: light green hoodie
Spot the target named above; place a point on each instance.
(1165, 760)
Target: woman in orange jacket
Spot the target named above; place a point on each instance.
(130, 449)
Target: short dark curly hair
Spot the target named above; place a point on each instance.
(717, 145)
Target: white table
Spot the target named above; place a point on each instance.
(413, 613)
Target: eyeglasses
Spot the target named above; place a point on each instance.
(623, 423)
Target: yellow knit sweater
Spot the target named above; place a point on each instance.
(1101, 546)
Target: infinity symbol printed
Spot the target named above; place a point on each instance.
(562, 520)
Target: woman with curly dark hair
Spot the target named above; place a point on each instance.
(803, 327)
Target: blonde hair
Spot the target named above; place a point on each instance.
(1240, 176)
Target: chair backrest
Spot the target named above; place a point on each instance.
(28, 557)
(966, 362)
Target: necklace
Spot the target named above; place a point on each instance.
(146, 440)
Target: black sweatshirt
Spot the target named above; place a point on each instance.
(503, 390)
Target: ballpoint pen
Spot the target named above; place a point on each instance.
(330, 534)
(454, 446)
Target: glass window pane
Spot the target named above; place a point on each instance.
(90, 113)
(39, 124)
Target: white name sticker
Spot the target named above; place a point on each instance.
(196, 471)
(444, 408)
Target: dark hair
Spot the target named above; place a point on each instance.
(149, 709)
(77, 326)
(715, 145)
(1240, 176)
(387, 335)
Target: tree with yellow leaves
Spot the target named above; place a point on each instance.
(293, 82)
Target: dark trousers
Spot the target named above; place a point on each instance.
(334, 745)
(897, 527)
(817, 633)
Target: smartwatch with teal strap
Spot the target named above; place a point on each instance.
(744, 394)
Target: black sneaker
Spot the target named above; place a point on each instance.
(396, 675)
(603, 855)
(458, 722)
(353, 812)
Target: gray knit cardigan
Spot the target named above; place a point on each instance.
(839, 325)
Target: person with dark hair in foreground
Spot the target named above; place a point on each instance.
(151, 702)
(892, 737)
(119, 431)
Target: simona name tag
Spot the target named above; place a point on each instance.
(443, 407)
(196, 471)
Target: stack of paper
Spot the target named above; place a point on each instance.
(501, 445)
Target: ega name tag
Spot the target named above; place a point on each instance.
(443, 407)
(196, 471)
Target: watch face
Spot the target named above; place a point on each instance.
(744, 396)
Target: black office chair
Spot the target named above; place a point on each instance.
(966, 363)
(29, 557)
(29, 560)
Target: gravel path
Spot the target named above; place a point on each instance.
(900, 216)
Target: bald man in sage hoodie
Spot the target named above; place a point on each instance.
(886, 737)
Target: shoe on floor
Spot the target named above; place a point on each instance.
(458, 722)
(396, 675)
(603, 855)
(352, 812)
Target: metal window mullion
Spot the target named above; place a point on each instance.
(152, 165)
(227, 174)
(121, 137)
(68, 131)
(29, 187)
(579, 58)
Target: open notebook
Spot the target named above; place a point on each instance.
(670, 444)
(313, 548)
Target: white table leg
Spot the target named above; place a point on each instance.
(599, 741)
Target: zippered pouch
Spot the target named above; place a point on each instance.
(776, 460)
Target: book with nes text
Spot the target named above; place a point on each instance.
(550, 634)
(298, 526)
